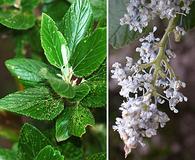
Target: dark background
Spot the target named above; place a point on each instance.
(8, 122)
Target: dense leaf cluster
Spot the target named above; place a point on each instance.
(62, 89)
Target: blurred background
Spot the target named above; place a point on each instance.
(9, 123)
(176, 141)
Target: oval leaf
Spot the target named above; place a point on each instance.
(62, 88)
(72, 150)
(26, 6)
(76, 22)
(81, 91)
(56, 9)
(99, 9)
(16, 19)
(31, 141)
(37, 103)
(73, 121)
(97, 95)
(26, 70)
(22, 18)
(97, 84)
(89, 54)
(52, 41)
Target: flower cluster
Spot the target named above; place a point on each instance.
(141, 12)
(140, 118)
(145, 84)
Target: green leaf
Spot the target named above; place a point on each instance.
(16, 19)
(26, 6)
(37, 103)
(62, 88)
(22, 18)
(189, 19)
(6, 2)
(99, 9)
(76, 22)
(97, 95)
(99, 74)
(6, 154)
(31, 142)
(81, 91)
(48, 1)
(73, 121)
(72, 150)
(97, 84)
(26, 70)
(95, 140)
(97, 156)
(89, 54)
(120, 35)
(52, 41)
(49, 153)
(56, 10)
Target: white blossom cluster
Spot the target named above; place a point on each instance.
(140, 118)
(141, 12)
(144, 87)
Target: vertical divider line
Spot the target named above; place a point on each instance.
(107, 83)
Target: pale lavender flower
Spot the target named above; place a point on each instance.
(141, 12)
(142, 92)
